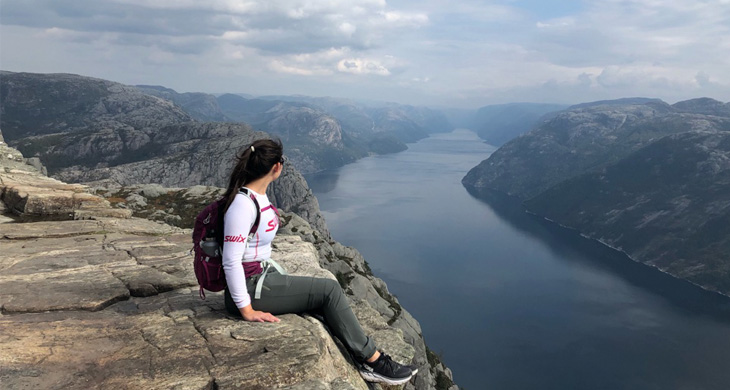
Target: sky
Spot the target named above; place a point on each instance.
(428, 52)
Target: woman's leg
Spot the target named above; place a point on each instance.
(283, 294)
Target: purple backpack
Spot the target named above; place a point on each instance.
(208, 244)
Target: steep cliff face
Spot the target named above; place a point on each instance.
(305, 123)
(667, 204)
(316, 137)
(652, 180)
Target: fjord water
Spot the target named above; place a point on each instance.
(511, 301)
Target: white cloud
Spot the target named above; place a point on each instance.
(405, 19)
(639, 45)
(235, 35)
(62, 34)
(284, 26)
(327, 62)
(481, 52)
(279, 66)
(361, 66)
(557, 23)
(235, 6)
(347, 28)
(702, 78)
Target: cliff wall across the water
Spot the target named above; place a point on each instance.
(644, 177)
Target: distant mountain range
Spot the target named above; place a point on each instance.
(69, 120)
(640, 175)
(320, 133)
(86, 129)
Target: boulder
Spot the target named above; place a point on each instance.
(28, 193)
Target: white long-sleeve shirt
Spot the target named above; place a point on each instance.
(238, 221)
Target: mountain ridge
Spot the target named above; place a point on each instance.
(650, 179)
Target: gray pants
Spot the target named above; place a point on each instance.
(282, 294)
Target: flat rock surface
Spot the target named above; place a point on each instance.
(113, 303)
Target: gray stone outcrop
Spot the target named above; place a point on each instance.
(95, 304)
(27, 192)
(113, 303)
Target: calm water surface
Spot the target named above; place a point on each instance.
(509, 300)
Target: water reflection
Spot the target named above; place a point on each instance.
(323, 182)
(569, 246)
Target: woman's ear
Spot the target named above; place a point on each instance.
(276, 169)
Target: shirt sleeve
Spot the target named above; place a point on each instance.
(237, 224)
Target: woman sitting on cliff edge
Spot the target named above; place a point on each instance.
(250, 271)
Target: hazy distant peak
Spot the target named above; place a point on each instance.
(618, 102)
(705, 106)
(157, 88)
(232, 97)
(54, 76)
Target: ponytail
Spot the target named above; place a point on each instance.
(253, 162)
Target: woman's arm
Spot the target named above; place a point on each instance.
(237, 224)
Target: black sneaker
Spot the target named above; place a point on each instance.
(414, 369)
(385, 370)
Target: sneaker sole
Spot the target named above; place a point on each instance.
(374, 377)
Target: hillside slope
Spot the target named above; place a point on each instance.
(652, 180)
(86, 129)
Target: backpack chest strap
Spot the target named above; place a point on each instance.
(266, 264)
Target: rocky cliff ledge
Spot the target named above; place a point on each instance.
(111, 302)
(27, 192)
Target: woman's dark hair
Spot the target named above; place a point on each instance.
(253, 162)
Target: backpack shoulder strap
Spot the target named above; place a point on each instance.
(250, 195)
